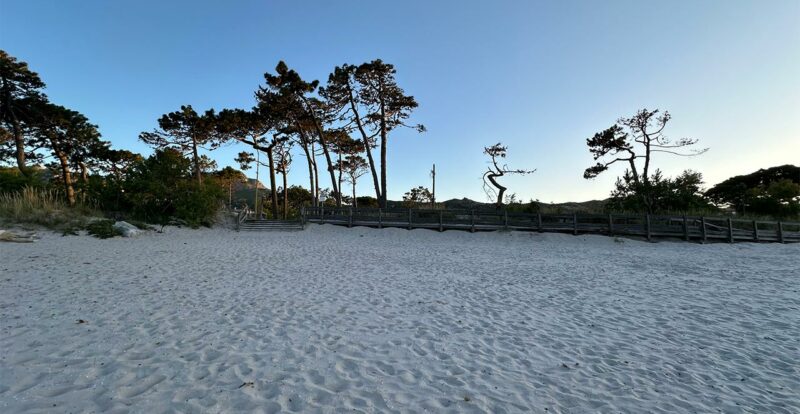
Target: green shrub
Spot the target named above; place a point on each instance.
(12, 181)
(161, 190)
(102, 229)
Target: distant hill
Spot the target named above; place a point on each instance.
(245, 191)
(591, 206)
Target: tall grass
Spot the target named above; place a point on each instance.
(45, 207)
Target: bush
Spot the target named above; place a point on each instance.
(160, 190)
(660, 194)
(12, 181)
(197, 204)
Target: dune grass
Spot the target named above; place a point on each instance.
(45, 207)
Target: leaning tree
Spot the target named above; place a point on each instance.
(633, 141)
(290, 98)
(20, 94)
(65, 133)
(494, 171)
(344, 97)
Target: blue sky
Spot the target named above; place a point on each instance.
(539, 76)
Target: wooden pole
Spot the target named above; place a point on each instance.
(575, 224)
(433, 193)
(610, 225)
(755, 230)
(539, 221)
(350, 217)
(780, 232)
(380, 219)
(505, 219)
(472, 226)
(703, 229)
(441, 226)
(730, 230)
(409, 219)
(647, 227)
(685, 228)
(322, 213)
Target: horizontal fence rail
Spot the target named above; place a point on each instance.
(645, 225)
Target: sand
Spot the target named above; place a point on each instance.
(365, 320)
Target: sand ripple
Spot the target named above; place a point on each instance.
(364, 320)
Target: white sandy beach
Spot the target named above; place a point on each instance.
(364, 320)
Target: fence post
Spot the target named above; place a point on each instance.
(505, 219)
(647, 226)
(610, 225)
(539, 221)
(380, 218)
(685, 228)
(322, 214)
(303, 215)
(703, 229)
(441, 227)
(472, 222)
(755, 230)
(575, 223)
(409, 219)
(730, 230)
(780, 232)
(350, 218)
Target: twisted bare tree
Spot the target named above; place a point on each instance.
(492, 188)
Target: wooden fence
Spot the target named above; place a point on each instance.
(647, 226)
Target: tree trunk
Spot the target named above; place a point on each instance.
(285, 196)
(383, 155)
(67, 176)
(255, 197)
(367, 146)
(325, 151)
(340, 172)
(84, 172)
(316, 170)
(273, 189)
(19, 141)
(500, 189)
(196, 161)
(311, 167)
(84, 180)
(355, 202)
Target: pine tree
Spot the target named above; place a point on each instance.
(20, 94)
(69, 136)
(392, 107)
(289, 97)
(187, 131)
(644, 137)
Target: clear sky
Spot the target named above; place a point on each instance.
(539, 76)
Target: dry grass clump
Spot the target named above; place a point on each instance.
(43, 207)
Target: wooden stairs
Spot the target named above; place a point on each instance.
(269, 225)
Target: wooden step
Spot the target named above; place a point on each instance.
(270, 225)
